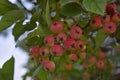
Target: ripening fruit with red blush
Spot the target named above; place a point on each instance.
(85, 65)
(96, 22)
(56, 78)
(109, 27)
(101, 55)
(81, 45)
(111, 8)
(86, 75)
(70, 44)
(43, 59)
(49, 66)
(56, 50)
(76, 32)
(68, 66)
(82, 55)
(49, 40)
(44, 51)
(56, 27)
(116, 17)
(106, 18)
(61, 37)
(34, 50)
(100, 64)
(118, 49)
(92, 59)
(35, 78)
(73, 57)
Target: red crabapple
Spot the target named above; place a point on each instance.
(73, 57)
(116, 17)
(49, 66)
(61, 37)
(100, 64)
(81, 45)
(56, 50)
(92, 59)
(49, 40)
(96, 22)
(76, 32)
(70, 44)
(101, 55)
(34, 50)
(109, 27)
(111, 8)
(106, 18)
(44, 51)
(57, 27)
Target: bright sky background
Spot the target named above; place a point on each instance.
(7, 49)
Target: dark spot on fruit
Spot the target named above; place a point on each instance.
(77, 31)
(73, 46)
(46, 42)
(61, 39)
(118, 15)
(110, 27)
(93, 21)
(41, 60)
(55, 23)
(43, 53)
(100, 63)
(80, 46)
(47, 69)
(112, 11)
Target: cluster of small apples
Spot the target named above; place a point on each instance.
(70, 42)
(99, 60)
(108, 21)
(55, 46)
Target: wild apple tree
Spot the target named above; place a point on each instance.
(66, 39)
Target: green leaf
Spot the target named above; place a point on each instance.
(36, 32)
(30, 38)
(42, 4)
(100, 37)
(63, 2)
(35, 37)
(83, 23)
(95, 6)
(71, 9)
(39, 31)
(18, 30)
(6, 6)
(42, 75)
(117, 34)
(48, 17)
(87, 29)
(7, 72)
(36, 17)
(9, 18)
